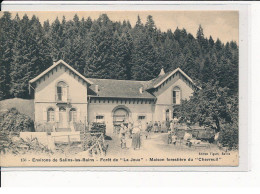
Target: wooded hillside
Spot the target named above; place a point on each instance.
(106, 49)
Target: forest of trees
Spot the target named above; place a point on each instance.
(103, 48)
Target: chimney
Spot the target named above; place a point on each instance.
(54, 60)
(141, 90)
(162, 72)
(96, 89)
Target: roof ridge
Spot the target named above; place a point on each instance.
(56, 64)
(120, 80)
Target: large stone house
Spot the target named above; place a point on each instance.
(62, 96)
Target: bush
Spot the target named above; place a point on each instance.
(14, 121)
(228, 136)
(11, 143)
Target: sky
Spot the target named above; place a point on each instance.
(219, 24)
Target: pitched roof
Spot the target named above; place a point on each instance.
(156, 82)
(56, 64)
(119, 88)
(112, 88)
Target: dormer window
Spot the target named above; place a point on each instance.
(62, 91)
(176, 95)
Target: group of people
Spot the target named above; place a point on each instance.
(134, 131)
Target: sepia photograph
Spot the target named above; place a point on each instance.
(119, 88)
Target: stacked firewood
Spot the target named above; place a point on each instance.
(98, 128)
(94, 144)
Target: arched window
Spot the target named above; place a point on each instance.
(50, 115)
(62, 91)
(176, 95)
(73, 115)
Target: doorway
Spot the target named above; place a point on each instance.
(63, 121)
(120, 115)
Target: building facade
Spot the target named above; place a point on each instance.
(63, 97)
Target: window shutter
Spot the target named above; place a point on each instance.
(170, 114)
(44, 114)
(64, 93)
(178, 97)
(78, 114)
(57, 116)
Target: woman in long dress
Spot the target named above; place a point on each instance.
(136, 140)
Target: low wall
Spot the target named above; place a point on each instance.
(42, 137)
(66, 136)
(50, 140)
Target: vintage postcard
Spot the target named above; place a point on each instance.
(119, 88)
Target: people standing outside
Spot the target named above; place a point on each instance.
(159, 126)
(147, 128)
(150, 126)
(136, 139)
(164, 127)
(168, 125)
(172, 126)
(122, 135)
(156, 127)
(130, 129)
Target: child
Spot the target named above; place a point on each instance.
(123, 141)
(174, 138)
(170, 138)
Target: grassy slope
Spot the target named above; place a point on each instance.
(22, 105)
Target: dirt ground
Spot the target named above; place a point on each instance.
(156, 144)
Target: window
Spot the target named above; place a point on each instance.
(50, 115)
(141, 117)
(62, 91)
(59, 92)
(176, 96)
(62, 109)
(100, 118)
(73, 115)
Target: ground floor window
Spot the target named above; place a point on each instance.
(141, 117)
(73, 115)
(100, 118)
(50, 115)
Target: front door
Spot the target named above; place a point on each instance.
(63, 122)
(119, 116)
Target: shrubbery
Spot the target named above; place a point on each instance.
(11, 143)
(14, 121)
(228, 136)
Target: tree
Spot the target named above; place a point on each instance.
(209, 106)
(14, 121)
(211, 42)
(200, 34)
(7, 35)
(96, 47)
(99, 55)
